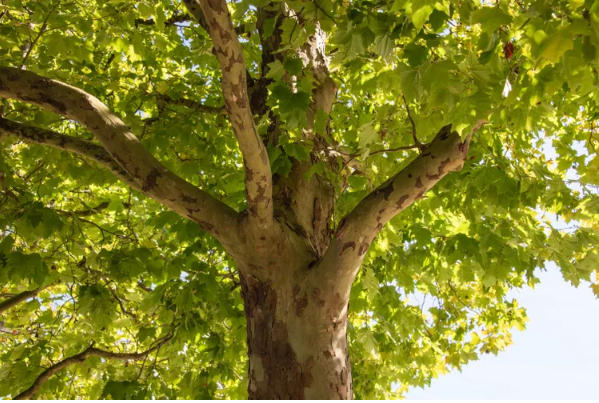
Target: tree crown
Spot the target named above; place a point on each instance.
(147, 297)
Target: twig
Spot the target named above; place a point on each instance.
(414, 136)
(39, 35)
(91, 351)
(122, 306)
(171, 21)
(318, 6)
(5, 188)
(392, 150)
(121, 236)
(86, 213)
(40, 166)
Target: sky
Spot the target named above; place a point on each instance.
(556, 357)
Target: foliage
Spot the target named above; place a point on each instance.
(433, 293)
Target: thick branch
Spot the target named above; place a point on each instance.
(191, 104)
(79, 358)
(194, 9)
(258, 177)
(82, 147)
(446, 153)
(17, 299)
(155, 180)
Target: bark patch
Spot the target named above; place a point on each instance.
(401, 201)
(188, 199)
(386, 191)
(307, 375)
(300, 303)
(267, 338)
(151, 180)
(317, 294)
(346, 246)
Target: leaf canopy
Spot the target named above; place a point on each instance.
(117, 269)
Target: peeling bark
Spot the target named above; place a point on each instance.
(297, 342)
(258, 177)
(445, 154)
(122, 146)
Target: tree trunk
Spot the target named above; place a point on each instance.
(297, 340)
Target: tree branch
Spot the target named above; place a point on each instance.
(92, 211)
(446, 153)
(17, 299)
(194, 9)
(258, 177)
(84, 148)
(81, 357)
(38, 36)
(126, 150)
(191, 104)
(170, 21)
(414, 135)
(87, 212)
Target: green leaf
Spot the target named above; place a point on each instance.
(27, 267)
(145, 10)
(415, 54)
(279, 162)
(6, 245)
(367, 135)
(124, 390)
(293, 65)
(297, 151)
(320, 122)
(292, 105)
(269, 27)
(316, 169)
(95, 302)
(384, 45)
(557, 44)
(491, 18)
(588, 49)
(420, 16)
(355, 46)
(275, 70)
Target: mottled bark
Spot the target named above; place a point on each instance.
(296, 302)
(124, 148)
(258, 178)
(308, 203)
(297, 341)
(356, 231)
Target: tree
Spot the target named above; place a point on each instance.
(323, 179)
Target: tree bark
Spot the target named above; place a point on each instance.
(17, 299)
(297, 341)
